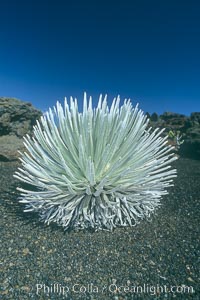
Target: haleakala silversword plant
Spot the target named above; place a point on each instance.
(101, 168)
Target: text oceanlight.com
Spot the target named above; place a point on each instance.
(91, 288)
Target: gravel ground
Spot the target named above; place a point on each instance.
(102, 265)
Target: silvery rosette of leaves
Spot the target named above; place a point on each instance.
(101, 168)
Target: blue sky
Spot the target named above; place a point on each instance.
(146, 50)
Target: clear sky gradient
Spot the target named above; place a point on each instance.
(146, 50)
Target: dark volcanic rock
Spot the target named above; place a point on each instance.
(170, 115)
(16, 119)
(195, 116)
(188, 127)
(173, 121)
(190, 148)
(154, 117)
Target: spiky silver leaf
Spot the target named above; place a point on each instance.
(101, 168)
